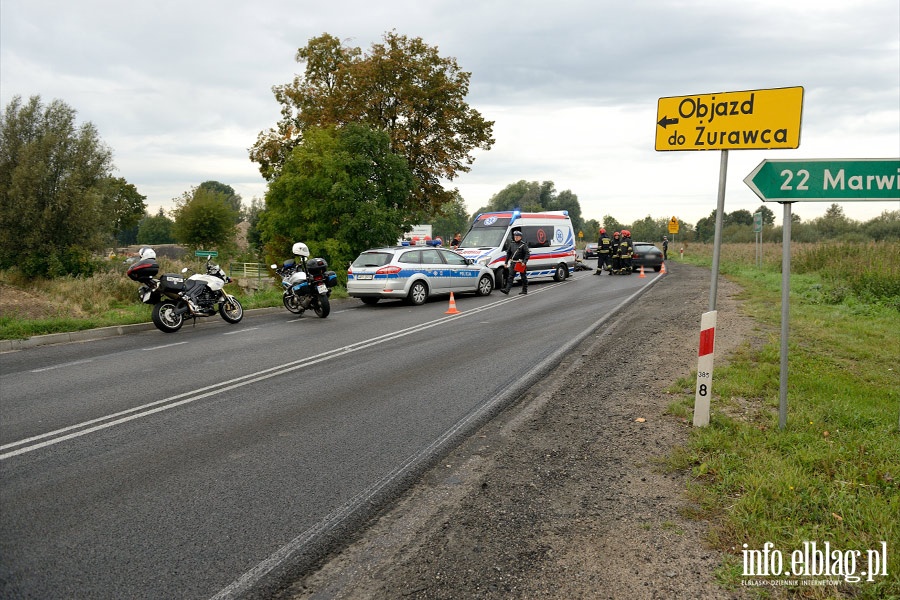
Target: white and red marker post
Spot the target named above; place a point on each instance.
(705, 356)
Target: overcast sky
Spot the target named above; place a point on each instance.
(180, 90)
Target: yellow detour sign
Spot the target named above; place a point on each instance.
(673, 225)
(754, 119)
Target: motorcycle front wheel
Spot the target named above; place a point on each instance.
(165, 318)
(231, 310)
(323, 306)
(292, 303)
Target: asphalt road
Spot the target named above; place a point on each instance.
(219, 461)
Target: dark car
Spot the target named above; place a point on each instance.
(646, 255)
(591, 250)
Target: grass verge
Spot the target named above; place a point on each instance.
(107, 298)
(833, 474)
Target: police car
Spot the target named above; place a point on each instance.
(415, 273)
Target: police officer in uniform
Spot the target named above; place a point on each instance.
(517, 252)
(604, 247)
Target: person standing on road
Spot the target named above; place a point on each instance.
(517, 253)
(454, 243)
(615, 254)
(626, 248)
(665, 248)
(604, 246)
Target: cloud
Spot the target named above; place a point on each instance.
(180, 90)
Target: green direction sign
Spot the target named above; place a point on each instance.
(757, 222)
(826, 179)
(212, 253)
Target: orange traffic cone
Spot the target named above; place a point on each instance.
(662, 271)
(452, 310)
(642, 272)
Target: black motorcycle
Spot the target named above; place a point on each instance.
(175, 297)
(307, 285)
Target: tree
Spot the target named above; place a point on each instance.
(341, 191)
(452, 217)
(706, 228)
(53, 180)
(228, 195)
(568, 201)
(611, 224)
(402, 87)
(768, 217)
(884, 227)
(204, 220)
(646, 229)
(739, 217)
(522, 195)
(252, 216)
(126, 206)
(834, 223)
(156, 229)
(531, 196)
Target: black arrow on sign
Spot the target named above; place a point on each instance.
(667, 121)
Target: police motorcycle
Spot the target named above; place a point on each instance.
(306, 284)
(175, 297)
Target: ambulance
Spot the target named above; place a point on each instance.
(549, 235)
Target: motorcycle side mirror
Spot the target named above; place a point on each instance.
(184, 270)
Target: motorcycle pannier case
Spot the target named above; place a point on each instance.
(171, 281)
(143, 270)
(330, 278)
(316, 266)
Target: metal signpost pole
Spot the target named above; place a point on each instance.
(720, 217)
(785, 313)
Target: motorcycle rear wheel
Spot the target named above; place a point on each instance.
(231, 310)
(165, 318)
(323, 307)
(292, 303)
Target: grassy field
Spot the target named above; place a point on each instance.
(833, 474)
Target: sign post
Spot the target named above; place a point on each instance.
(757, 229)
(817, 180)
(752, 119)
(705, 360)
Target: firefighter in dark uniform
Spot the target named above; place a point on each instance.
(615, 254)
(626, 249)
(604, 246)
(517, 252)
